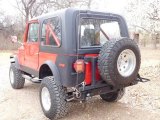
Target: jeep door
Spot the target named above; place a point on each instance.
(32, 46)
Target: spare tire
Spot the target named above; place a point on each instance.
(119, 62)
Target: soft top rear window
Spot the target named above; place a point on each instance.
(95, 32)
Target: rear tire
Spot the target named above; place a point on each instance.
(15, 76)
(113, 96)
(53, 98)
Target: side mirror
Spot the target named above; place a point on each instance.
(14, 39)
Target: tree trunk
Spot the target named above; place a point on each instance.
(154, 40)
(155, 44)
(27, 17)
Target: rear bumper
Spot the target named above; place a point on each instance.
(101, 87)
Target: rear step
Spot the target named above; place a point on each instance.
(32, 79)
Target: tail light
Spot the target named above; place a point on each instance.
(79, 66)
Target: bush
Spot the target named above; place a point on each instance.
(6, 44)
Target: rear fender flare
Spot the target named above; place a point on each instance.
(54, 70)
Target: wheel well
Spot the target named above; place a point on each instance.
(45, 71)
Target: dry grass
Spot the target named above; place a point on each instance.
(147, 95)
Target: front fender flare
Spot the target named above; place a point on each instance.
(14, 59)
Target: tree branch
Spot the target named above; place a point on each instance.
(142, 28)
(18, 8)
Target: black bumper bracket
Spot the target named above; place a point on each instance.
(141, 79)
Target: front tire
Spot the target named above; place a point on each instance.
(53, 98)
(15, 76)
(113, 96)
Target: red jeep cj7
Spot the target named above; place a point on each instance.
(76, 54)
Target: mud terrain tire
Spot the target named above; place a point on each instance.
(113, 96)
(113, 55)
(15, 76)
(58, 105)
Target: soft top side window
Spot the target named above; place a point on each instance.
(33, 32)
(51, 32)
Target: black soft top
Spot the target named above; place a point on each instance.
(70, 28)
(70, 12)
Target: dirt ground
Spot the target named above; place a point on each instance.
(141, 101)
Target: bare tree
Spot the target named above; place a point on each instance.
(1, 21)
(14, 25)
(87, 3)
(32, 8)
(60, 4)
(146, 17)
(154, 17)
(2, 17)
(25, 6)
(39, 8)
(154, 13)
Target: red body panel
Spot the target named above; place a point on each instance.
(20, 55)
(28, 52)
(31, 55)
(88, 71)
(21, 50)
(46, 56)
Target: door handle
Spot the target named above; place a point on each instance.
(36, 53)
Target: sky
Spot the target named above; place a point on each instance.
(7, 7)
(116, 6)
